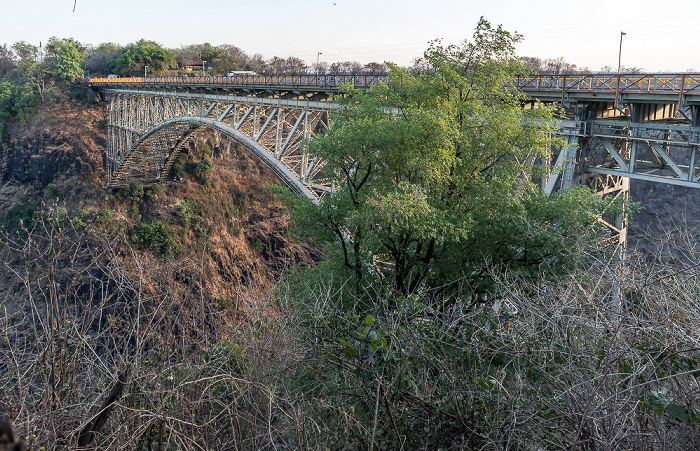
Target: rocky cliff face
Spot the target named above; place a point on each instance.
(61, 140)
(42, 158)
(669, 214)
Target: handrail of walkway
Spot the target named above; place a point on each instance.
(610, 83)
(316, 81)
(680, 84)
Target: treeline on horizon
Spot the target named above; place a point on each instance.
(153, 59)
(29, 73)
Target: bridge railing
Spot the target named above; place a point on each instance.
(626, 83)
(319, 81)
(679, 84)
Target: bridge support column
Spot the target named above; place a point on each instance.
(570, 149)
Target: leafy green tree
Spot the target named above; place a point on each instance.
(103, 58)
(434, 174)
(144, 53)
(25, 102)
(7, 61)
(8, 92)
(65, 57)
(25, 51)
(159, 237)
(16, 101)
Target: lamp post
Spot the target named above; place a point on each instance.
(619, 60)
(204, 65)
(317, 58)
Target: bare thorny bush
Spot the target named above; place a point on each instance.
(81, 306)
(546, 365)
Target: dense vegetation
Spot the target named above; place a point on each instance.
(456, 306)
(445, 189)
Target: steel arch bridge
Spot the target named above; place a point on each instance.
(617, 126)
(147, 129)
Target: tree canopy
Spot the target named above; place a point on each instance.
(136, 56)
(66, 57)
(434, 176)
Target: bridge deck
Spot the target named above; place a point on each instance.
(656, 88)
(654, 137)
(329, 84)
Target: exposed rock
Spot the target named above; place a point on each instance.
(42, 158)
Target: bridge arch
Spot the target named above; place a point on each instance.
(147, 129)
(142, 159)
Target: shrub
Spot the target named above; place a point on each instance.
(206, 150)
(180, 165)
(134, 192)
(544, 365)
(105, 216)
(190, 214)
(203, 170)
(78, 218)
(159, 237)
(154, 190)
(20, 218)
(52, 189)
(25, 103)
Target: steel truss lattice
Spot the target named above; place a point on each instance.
(147, 129)
(597, 150)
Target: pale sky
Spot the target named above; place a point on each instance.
(660, 36)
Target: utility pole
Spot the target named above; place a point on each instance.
(619, 60)
(144, 70)
(204, 65)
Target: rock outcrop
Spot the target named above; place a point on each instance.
(39, 159)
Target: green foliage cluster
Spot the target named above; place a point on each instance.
(104, 216)
(189, 213)
(16, 101)
(135, 57)
(52, 189)
(134, 192)
(202, 170)
(79, 219)
(434, 181)
(65, 57)
(414, 334)
(181, 165)
(26, 76)
(18, 219)
(157, 236)
(153, 190)
(532, 367)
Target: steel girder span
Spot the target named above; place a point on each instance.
(147, 130)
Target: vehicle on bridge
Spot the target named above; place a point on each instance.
(241, 72)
